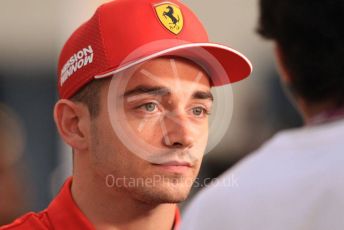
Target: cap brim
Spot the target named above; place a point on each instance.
(213, 57)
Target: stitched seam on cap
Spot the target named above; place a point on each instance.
(101, 36)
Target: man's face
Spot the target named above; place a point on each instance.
(164, 105)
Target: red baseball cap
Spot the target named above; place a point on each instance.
(124, 33)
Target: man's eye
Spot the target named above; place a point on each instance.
(149, 107)
(199, 111)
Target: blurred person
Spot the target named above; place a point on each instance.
(134, 85)
(296, 180)
(13, 202)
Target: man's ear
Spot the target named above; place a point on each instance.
(283, 70)
(73, 122)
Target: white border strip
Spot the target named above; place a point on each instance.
(160, 53)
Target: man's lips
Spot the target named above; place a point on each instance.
(174, 166)
(176, 163)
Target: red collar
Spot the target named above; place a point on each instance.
(177, 220)
(65, 214)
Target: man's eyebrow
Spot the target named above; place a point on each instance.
(142, 89)
(203, 95)
(162, 91)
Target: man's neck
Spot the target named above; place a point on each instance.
(112, 210)
(320, 113)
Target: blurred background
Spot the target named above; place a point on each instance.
(33, 160)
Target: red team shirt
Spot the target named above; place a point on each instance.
(61, 214)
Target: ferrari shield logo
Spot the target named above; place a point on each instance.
(170, 16)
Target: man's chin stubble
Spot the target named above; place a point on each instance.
(161, 194)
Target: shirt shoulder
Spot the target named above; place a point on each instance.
(31, 220)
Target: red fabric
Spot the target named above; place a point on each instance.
(177, 220)
(61, 214)
(118, 28)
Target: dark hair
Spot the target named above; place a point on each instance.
(310, 34)
(89, 95)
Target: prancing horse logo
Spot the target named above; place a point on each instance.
(170, 16)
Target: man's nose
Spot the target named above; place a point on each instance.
(177, 131)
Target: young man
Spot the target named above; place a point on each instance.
(134, 84)
(295, 181)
